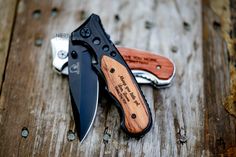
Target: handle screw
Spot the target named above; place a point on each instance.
(85, 32)
(133, 116)
(112, 70)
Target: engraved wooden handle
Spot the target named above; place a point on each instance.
(158, 65)
(122, 87)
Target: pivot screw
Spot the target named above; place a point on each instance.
(85, 32)
(62, 54)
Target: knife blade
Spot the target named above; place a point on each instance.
(84, 89)
(147, 67)
(135, 114)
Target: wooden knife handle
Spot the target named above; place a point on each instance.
(158, 65)
(124, 90)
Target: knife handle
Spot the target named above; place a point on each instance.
(125, 91)
(160, 66)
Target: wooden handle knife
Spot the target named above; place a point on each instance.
(110, 65)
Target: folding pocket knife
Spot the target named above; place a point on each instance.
(147, 67)
(92, 57)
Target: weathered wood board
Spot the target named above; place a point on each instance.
(219, 126)
(7, 14)
(189, 117)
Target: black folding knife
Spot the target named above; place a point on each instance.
(91, 55)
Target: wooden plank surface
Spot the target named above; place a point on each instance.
(219, 125)
(7, 14)
(189, 117)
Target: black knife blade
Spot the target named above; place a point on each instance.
(84, 89)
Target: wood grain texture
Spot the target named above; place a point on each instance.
(228, 33)
(158, 65)
(220, 126)
(121, 85)
(189, 118)
(7, 14)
